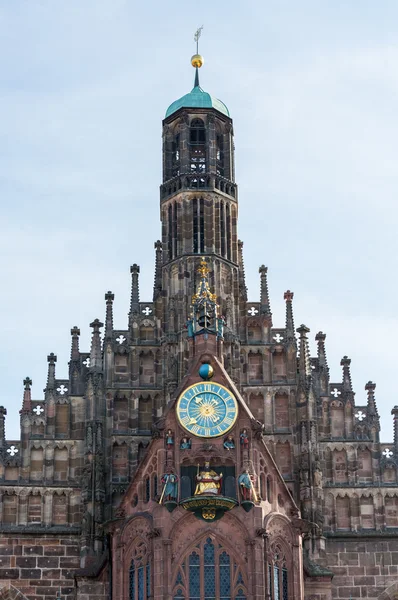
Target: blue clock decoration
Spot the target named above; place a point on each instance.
(207, 409)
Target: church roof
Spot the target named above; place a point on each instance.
(197, 98)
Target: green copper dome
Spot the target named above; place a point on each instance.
(197, 98)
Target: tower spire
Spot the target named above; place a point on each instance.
(157, 286)
(27, 399)
(394, 412)
(109, 298)
(264, 297)
(51, 359)
(372, 408)
(288, 297)
(322, 360)
(197, 59)
(242, 282)
(304, 356)
(135, 291)
(74, 353)
(347, 383)
(95, 354)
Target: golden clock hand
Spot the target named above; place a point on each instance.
(192, 421)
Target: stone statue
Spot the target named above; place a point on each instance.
(246, 486)
(208, 481)
(185, 444)
(244, 440)
(317, 475)
(169, 439)
(170, 489)
(229, 443)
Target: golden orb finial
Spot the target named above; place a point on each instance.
(197, 60)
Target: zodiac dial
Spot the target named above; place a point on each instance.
(207, 409)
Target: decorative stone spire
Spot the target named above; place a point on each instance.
(204, 308)
(135, 292)
(27, 398)
(74, 354)
(322, 360)
(347, 384)
(242, 280)
(304, 356)
(95, 352)
(288, 297)
(157, 286)
(3, 412)
(264, 297)
(394, 412)
(109, 298)
(51, 359)
(372, 408)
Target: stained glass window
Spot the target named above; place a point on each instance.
(194, 576)
(147, 489)
(209, 570)
(140, 581)
(132, 581)
(284, 584)
(209, 574)
(276, 583)
(225, 576)
(148, 580)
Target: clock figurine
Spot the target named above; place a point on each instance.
(207, 410)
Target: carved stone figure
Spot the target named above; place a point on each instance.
(229, 443)
(208, 481)
(170, 490)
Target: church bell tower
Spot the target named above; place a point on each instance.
(199, 206)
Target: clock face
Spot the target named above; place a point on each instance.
(207, 409)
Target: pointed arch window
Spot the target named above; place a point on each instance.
(209, 572)
(278, 580)
(220, 155)
(176, 155)
(197, 141)
(140, 573)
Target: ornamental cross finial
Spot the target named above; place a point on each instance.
(196, 37)
(387, 453)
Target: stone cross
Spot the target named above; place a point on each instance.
(278, 338)
(336, 393)
(360, 415)
(147, 311)
(12, 451)
(38, 410)
(252, 311)
(387, 452)
(62, 389)
(121, 339)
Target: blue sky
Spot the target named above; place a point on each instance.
(312, 88)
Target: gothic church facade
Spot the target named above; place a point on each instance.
(201, 452)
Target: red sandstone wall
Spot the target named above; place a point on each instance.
(362, 568)
(39, 566)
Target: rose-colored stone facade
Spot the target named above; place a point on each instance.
(107, 495)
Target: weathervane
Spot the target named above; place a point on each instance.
(196, 37)
(197, 59)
